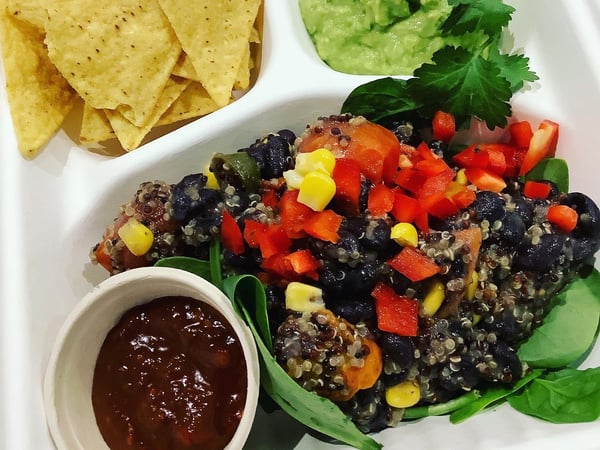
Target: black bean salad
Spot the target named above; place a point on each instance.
(402, 273)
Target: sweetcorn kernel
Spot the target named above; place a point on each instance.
(434, 298)
(405, 234)
(461, 177)
(321, 160)
(316, 190)
(403, 395)
(137, 237)
(303, 297)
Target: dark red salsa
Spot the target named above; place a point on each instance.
(170, 375)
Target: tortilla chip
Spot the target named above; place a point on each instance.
(130, 136)
(114, 54)
(215, 35)
(184, 68)
(193, 102)
(38, 95)
(30, 11)
(95, 126)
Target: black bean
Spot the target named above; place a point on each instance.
(588, 224)
(489, 206)
(540, 257)
(398, 348)
(513, 229)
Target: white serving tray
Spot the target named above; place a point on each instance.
(53, 209)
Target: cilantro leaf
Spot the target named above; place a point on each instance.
(515, 68)
(489, 16)
(464, 84)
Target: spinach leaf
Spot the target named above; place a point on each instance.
(214, 255)
(193, 265)
(566, 396)
(382, 100)
(570, 327)
(551, 169)
(491, 396)
(308, 408)
(439, 409)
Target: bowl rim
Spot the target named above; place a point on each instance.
(184, 284)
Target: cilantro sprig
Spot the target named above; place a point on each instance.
(467, 82)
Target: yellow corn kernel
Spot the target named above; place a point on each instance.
(453, 188)
(403, 395)
(472, 286)
(212, 182)
(461, 177)
(303, 297)
(405, 234)
(476, 319)
(293, 178)
(137, 237)
(316, 190)
(434, 298)
(320, 159)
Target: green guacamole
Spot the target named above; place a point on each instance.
(379, 37)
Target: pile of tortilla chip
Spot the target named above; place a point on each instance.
(134, 65)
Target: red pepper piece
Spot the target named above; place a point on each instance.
(443, 126)
(381, 200)
(324, 225)
(424, 153)
(432, 167)
(231, 234)
(269, 198)
(253, 231)
(405, 208)
(301, 262)
(346, 175)
(485, 180)
(472, 156)
(293, 214)
(395, 313)
(536, 189)
(410, 179)
(274, 240)
(435, 186)
(422, 221)
(463, 198)
(443, 208)
(542, 145)
(563, 217)
(413, 264)
(520, 133)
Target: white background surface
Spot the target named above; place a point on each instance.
(53, 209)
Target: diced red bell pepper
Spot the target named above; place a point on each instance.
(496, 158)
(102, 257)
(324, 225)
(422, 221)
(520, 133)
(485, 180)
(274, 240)
(231, 234)
(253, 231)
(536, 189)
(443, 126)
(432, 167)
(395, 313)
(410, 179)
(269, 198)
(292, 266)
(424, 153)
(443, 208)
(542, 145)
(470, 157)
(563, 217)
(405, 208)
(347, 178)
(463, 197)
(433, 187)
(381, 200)
(413, 264)
(302, 262)
(358, 140)
(293, 214)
